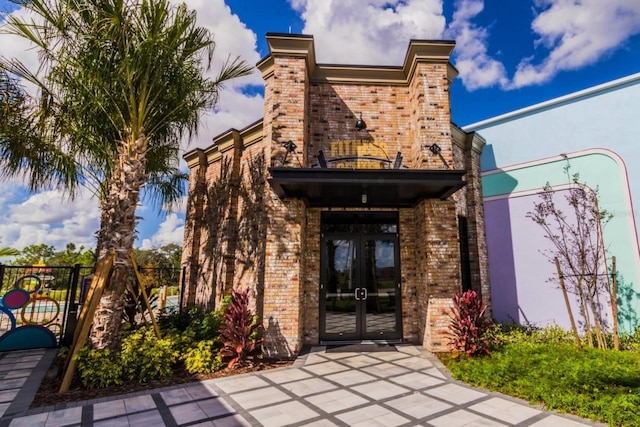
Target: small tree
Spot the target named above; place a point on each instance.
(578, 246)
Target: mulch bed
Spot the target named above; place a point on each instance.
(48, 395)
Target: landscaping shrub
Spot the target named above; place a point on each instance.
(597, 384)
(240, 332)
(514, 333)
(99, 368)
(630, 342)
(208, 326)
(179, 320)
(145, 357)
(468, 326)
(203, 326)
(204, 358)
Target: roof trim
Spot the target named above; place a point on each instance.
(556, 102)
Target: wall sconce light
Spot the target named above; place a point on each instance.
(290, 146)
(434, 148)
(364, 198)
(360, 124)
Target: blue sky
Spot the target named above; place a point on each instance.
(510, 55)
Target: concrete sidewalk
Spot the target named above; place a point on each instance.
(345, 386)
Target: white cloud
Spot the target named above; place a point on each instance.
(49, 217)
(171, 230)
(378, 32)
(232, 37)
(368, 31)
(577, 33)
(477, 69)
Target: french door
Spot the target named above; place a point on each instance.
(360, 282)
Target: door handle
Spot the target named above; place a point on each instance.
(365, 293)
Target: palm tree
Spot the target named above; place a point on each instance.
(23, 154)
(123, 82)
(5, 252)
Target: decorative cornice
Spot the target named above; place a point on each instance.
(302, 46)
(467, 140)
(195, 158)
(223, 143)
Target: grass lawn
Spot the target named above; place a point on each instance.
(600, 385)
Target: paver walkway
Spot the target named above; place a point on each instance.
(401, 386)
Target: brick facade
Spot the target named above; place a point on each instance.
(239, 233)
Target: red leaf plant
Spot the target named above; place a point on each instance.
(240, 332)
(469, 326)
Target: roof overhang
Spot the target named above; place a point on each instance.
(335, 187)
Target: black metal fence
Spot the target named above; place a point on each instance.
(39, 304)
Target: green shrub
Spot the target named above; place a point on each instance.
(179, 321)
(203, 359)
(208, 328)
(99, 368)
(205, 326)
(180, 340)
(551, 334)
(145, 357)
(631, 342)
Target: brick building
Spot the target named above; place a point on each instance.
(352, 210)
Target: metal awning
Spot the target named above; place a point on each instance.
(333, 187)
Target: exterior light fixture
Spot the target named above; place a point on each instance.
(360, 124)
(364, 198)
(434, 148)
(290, 146)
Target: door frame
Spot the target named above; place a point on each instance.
(358, 235)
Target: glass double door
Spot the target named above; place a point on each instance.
(360, 287)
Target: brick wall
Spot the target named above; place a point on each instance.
(238, 233)
(334, 109)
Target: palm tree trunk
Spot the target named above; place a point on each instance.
(117, 234)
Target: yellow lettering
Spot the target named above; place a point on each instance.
(367, 153)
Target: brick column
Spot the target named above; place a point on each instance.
(193, 225)
(282, 314)
(285, 110)
(440, 269)
(286, 77)
(431, 113)
(478, 256)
